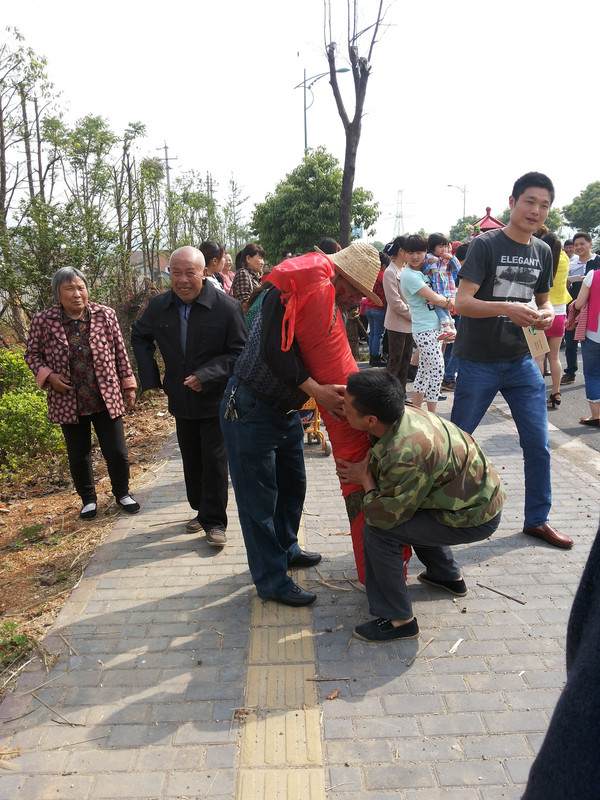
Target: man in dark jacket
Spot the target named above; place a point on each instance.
(200, 332)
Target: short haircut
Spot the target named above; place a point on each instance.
(63, 275)
(393, 248)
(384, 259)
(376, 391)
(461, 251)
(436, 239)
(415, 244)
(568, 242)
(537, 179)
(582, 235)
(329, 246)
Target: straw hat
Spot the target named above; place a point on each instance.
(359, 264)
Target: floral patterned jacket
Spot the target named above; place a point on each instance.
(48, 351)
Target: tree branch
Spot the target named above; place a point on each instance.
(335, 87)
(378, 21)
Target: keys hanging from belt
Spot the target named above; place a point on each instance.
(230, 409)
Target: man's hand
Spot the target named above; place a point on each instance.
(59, 383)
(545, 320)
(357, 472)
(129, 398)
(192, 382)
(523, 315)
(328, 395)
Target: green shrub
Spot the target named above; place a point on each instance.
(27, 439)
(13, 645)
(15, 375)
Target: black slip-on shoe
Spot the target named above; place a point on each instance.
(128, 504)
(458, 588)
(382, 630)
(89, 511)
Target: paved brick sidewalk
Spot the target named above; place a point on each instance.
(175, 681)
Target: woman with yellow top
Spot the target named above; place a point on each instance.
(559, 297)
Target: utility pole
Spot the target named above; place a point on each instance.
(166, 159)
(399, 225)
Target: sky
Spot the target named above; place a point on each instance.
(471, 94)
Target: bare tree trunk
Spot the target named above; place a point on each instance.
(38, 136)
(3, 172)
(361, 69)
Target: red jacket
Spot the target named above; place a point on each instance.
(48, 351)
(378, 290)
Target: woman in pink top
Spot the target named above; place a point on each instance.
(588, 332)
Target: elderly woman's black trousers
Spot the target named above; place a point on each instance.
(78, 438)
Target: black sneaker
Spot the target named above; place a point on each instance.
(382, 630)
(458, 588)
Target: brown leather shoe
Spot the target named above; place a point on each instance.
(567, 378)
(550, 535)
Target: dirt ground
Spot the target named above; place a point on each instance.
(45, 547)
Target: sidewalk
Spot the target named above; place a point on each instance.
(176, 681)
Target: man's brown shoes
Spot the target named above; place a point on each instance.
(550, 535)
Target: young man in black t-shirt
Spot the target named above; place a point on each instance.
(504, 287)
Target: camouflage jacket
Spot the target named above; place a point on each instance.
(424, 462)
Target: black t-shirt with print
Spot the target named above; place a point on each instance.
(504, 270)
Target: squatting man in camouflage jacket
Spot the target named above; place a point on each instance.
(427, 484)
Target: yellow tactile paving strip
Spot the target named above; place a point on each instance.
(281, 754)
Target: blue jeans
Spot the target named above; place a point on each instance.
(375, 316)
(590, 352)
(522, 386)
(266, 464)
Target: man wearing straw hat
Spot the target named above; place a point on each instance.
(297, 348)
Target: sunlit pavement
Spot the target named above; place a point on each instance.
(175, 681)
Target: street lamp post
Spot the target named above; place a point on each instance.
(311, 82)
(462, 189)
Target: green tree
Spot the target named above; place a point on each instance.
(304, 207)
(584, 212)
(236, 233)
(461, 230)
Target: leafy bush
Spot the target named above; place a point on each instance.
(28, 441)
(15, 375)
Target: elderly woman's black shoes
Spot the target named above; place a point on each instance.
(129, 505)
(88, 511)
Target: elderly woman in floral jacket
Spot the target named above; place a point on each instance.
(76, 352)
